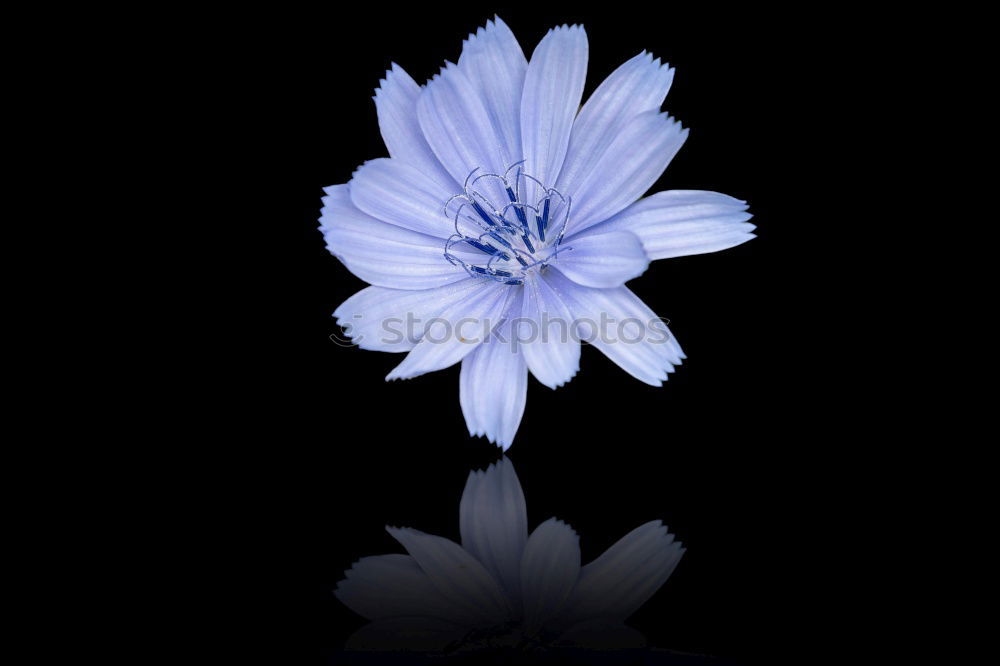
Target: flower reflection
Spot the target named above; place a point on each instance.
(501, 588)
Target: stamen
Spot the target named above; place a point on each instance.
(543, 221)
(482, 213)
(498, 238)
(517, 211)
(520, 242)
(518, 163)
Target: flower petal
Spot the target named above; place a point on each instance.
(677, 223)
(631, 164)
(627, 574)
(634, 337)
(380, 253)
(493, 385)
(549, 571)
(392, 585)
(455, 574)
(639, 85)
(553, 87)
(552, 353)
(396, 105)
(455, 332)
(602, 260)
(399, 194)
(494, 523)
(493, 62)
(393, 320)
(460, 132)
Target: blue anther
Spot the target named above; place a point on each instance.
(504, 240)
(517, 210)
(482, 213)
(497, 237)
(482, 247)
(543, 222)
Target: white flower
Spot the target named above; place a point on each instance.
(502, 587)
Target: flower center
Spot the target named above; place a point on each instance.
(505, 242)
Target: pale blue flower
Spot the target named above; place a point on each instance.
(503, 587)
(503, 198)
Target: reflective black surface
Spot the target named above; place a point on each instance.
(733, 452)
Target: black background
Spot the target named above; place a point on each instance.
(736, 452)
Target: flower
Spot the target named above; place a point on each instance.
(502, 587)
(500, 202)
